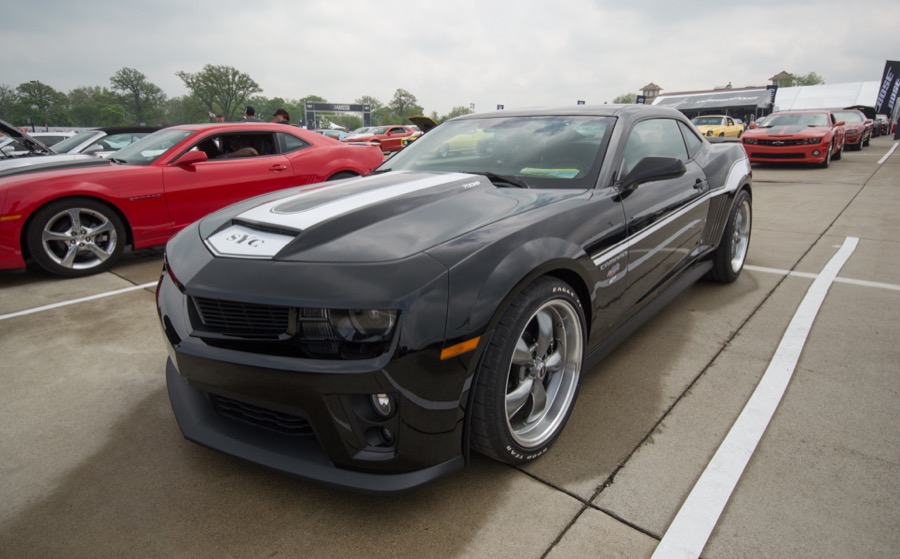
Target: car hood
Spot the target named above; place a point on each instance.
(424, 123)
(369, 219)
(33, 145)
(793, 130)
(44, 162)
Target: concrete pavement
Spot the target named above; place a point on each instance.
(92, 463)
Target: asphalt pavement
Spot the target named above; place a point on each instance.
(92, 463)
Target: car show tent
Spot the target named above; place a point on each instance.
(737, 102)
(827, 96)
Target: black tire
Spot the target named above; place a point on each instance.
(528, 380)
(342, 175)
(729, 258)
(840, 153)
(827, 162)
(76, 237)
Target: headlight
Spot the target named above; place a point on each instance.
(750, 140)
(363, 325)
(815, 140)
(852, 131)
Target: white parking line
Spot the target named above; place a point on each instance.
(888, 154)
(698, 516)
(76, 301)
(862, 283)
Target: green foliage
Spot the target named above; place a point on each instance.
(221, 89)
(132, 99)
(791, 80)
(625, 99)
(141, 100)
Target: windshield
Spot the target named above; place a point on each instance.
(544, 152)
(73, 142)
(796, 119)
(707, 121)
(850, 116)
(148, 149)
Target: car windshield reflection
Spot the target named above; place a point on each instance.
(148, 149)
(545, 152)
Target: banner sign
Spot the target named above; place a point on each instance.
(886, 103)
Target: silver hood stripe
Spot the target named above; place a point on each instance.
(269, 214)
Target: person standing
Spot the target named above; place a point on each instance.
(250, 115)
(282, 117)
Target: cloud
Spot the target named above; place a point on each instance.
(518, 53)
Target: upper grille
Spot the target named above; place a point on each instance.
(275, 330)
(782, 143)
(242, 319)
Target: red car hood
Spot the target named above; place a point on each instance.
(797, 130)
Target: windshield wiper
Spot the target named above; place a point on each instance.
(501, 180)
(379, 171)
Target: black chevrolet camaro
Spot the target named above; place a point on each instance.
(368, 333)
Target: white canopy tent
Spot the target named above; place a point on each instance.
(827, 96)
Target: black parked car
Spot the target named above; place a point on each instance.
(369, 333)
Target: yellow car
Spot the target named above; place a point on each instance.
(717, 125)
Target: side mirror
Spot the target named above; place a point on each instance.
(191, 158)
(94, 148)
(654, 169)
(840, 123)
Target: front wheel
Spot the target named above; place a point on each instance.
(76, 237)
(728, 260)
(528, 381)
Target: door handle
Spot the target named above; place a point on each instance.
(277, 168)
(698, 184)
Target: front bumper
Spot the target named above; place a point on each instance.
(301, 456)
(758, 153)
(314, 417)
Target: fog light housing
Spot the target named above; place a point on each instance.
(383, 404)
(816, 153)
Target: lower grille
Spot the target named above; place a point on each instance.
(279, 422)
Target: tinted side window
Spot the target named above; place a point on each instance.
(290, 143)
(690, 139)
(658, 137)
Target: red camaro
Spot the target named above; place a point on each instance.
(388, 137)
(75, 219)
(795, 137)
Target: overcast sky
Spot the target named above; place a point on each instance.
(518, 53)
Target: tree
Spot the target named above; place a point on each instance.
(811, 78)
(791, 80)
(41, 102)
(221, 89)
(404, 105)
(8, 99)
(455, 112)
(141, 99)
(625, 99)
(180, 110)
(95, 106)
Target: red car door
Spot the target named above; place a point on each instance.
(192, 191)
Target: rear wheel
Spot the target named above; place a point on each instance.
(728, 260)
(76, 237)
(529, 377)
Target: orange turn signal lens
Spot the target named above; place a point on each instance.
(460, 348)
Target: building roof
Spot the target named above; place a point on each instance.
(745, 97)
